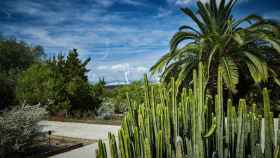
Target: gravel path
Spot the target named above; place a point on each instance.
(79, 130)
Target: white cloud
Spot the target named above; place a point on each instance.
(120, 67)
(272, 15)
(27, 7)
(102, 67)
(42, 36)
(109, 3)
(184, 3)
(105, 3)
(141, 69)
(163, 12)
(132, 2)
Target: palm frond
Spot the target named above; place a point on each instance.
(179, 54)
(190, 13)
(275, 44)
(275, 76)
(160, 64)
(229, 73)
(257, 67)
(179, 37)
(249, 19)
(185, 27)
(238, 38)
(214, 50)
(205, 15)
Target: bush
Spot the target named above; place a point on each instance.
(19, 127)
(106, 110)
(120, 107)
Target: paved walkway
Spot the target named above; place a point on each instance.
(79, 130)
(95, 132)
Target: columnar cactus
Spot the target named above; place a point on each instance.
(183, 126)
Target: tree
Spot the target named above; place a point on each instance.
(76, 84)
(99, 91)
(74, 67)
(220, 40)
(15, 57)
(42, 84)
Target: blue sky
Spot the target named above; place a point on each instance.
(122, 37)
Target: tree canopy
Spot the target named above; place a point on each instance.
(238, 46)
(15, 57)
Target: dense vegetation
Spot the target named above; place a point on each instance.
(26, 76)
(186, 127)
(118, 95)
(15, 57)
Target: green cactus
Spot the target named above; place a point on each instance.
(101, 152)
(241, 129)
(278, 133)
(268, 125)
(219, 114)
(178, 126)
(113, 146)
(159, 144)
(147, 148)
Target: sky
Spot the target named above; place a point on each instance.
(123, 38)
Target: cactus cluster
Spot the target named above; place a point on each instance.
(170, 125)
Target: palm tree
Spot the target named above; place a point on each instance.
(238, 46)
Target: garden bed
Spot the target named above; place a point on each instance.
(53, 146)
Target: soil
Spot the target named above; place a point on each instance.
(55, 145)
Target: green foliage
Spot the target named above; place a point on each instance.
(73, 67)
(114, 99)
(106, 108)
(118, 95)
(99, 92)
(184, 127)
(19, 127)
(239, 46)
(75, 86)
(135, 90)
(60, 83)
(42, 84)
(15, 57)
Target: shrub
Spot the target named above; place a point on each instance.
(106, 109)
(120, 107)
(19, 127)
(186, 126)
